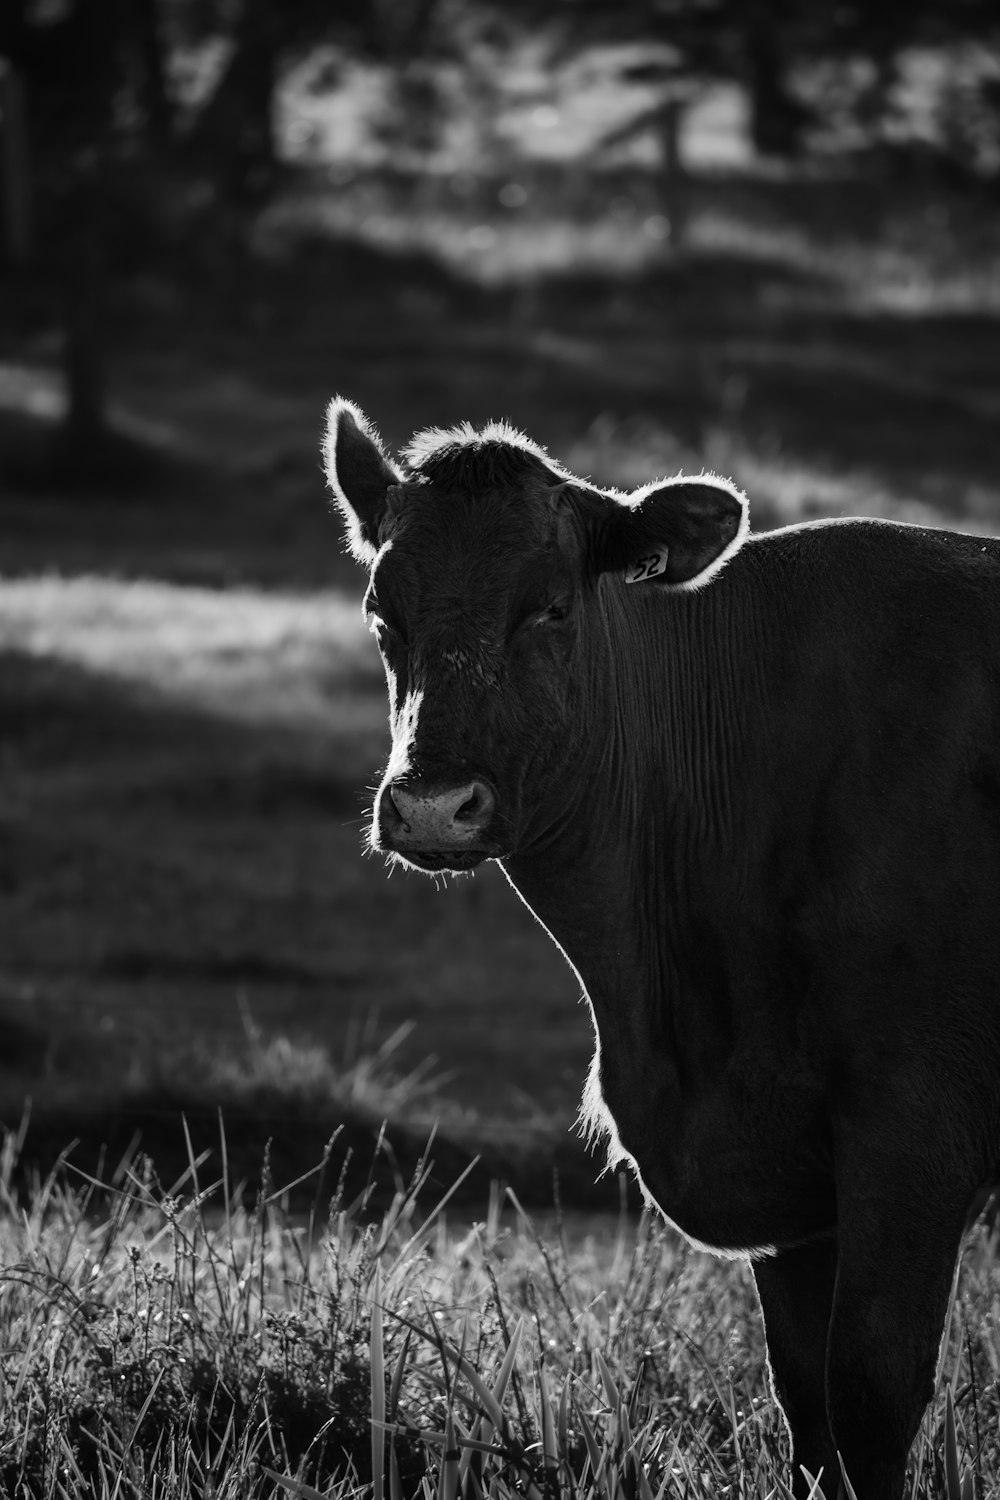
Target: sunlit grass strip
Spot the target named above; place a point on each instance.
(150, 1344)
(239, 653)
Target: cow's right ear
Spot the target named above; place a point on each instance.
(359, 474)
(674, 533)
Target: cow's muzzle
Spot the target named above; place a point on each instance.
(438, 827)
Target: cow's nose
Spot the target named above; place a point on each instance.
(417, 815)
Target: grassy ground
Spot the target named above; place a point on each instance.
(190, 713)
(166, 1340)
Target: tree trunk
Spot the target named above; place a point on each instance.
(235, 133)
(16, 184)
(157, 105)
(776, 119)
(86, 423)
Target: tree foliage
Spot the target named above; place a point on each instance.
(773, 49)
(122, 155)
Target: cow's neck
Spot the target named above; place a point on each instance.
(640, 882)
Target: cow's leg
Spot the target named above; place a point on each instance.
(796, 1296)
(898, 1240)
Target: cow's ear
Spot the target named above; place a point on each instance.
(676, 533)
(359, 474)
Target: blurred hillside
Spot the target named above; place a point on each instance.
(766, 242)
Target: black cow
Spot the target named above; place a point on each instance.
(751, 787)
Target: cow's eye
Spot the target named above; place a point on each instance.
(554, 614)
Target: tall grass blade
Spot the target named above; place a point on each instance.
(564, 1419)
(506, 1368)
(608, 1380)
(377, 1365)
(848, 1486)
(952, 1471)
(395, 1481)
(294, 1486)
(643, 1441)
(448, 1473)
(597, 1462)
(397, 1375)
(550, 1451)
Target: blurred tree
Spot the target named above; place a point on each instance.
(772, 48)
(753, 42)
(686, 46)
(122, 154)
(151, 51)
(15, 174)
(875, 42)
(68, 58)
(765, 33)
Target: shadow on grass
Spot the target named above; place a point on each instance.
(168, 873)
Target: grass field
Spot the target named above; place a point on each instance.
(165, 1339)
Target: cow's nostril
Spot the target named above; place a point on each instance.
(391, 815)
(477, 806)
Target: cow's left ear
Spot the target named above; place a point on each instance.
(359, 474)
(677, 532)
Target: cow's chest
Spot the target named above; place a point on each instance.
(736, 1160)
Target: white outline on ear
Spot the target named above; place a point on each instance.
(363, 550)
(714, 481)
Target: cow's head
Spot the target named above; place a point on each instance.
(489, 564)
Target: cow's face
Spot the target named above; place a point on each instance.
(485, 559)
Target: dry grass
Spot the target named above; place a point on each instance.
(169, 1340)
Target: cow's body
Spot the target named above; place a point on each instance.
(792, 906)
(762, 820)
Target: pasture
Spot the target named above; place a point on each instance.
(191, 714)
(167, 1339)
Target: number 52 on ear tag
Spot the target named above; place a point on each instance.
(649, 566)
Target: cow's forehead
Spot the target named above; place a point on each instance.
(461, 543)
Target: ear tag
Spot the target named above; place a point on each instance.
(649, 566)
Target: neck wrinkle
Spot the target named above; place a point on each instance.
(619, 883)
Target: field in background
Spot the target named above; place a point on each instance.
(190, 712)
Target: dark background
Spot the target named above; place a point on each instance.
(758, 237)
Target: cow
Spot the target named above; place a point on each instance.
(750, 785)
